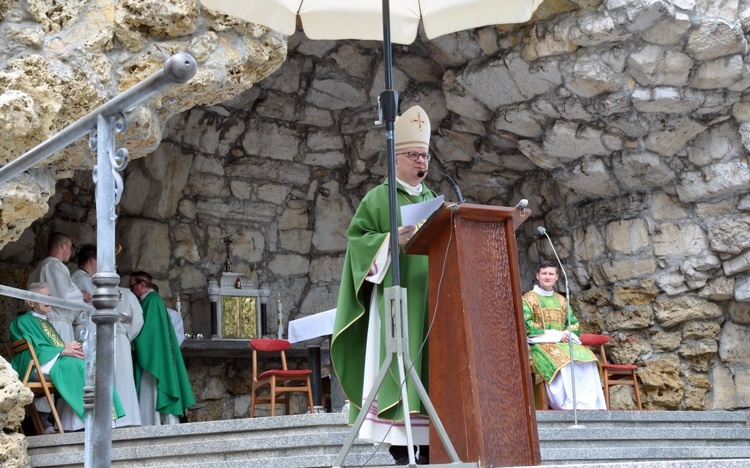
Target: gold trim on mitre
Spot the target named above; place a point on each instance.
(412, 129)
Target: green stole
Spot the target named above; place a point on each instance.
(367, 232)
(157, 352)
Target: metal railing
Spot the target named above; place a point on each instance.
(103, 123)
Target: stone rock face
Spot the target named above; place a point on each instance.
(625, 124)
(80, 53)
(14, 396)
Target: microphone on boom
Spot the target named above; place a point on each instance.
(459, 197)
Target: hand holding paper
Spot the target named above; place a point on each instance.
(414, 214)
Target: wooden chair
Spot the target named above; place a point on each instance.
(541, 401)
(41, 387)
(614, 374)
(282, 381)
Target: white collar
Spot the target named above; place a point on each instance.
(543, 292)
(411, 189)
(149, 292)
(38, 315)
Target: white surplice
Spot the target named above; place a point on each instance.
(54, 272)
(124, 377)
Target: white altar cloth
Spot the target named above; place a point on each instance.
(312, 326)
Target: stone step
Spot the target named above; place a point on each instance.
(301, 453)
(685, 419)
(300, 440)
(622, 437)
(576, 455)
(312, 461)
(312, 440)
(714, 463)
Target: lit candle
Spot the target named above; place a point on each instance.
(179, 306)
(279, 318)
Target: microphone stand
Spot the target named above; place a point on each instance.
(569, 313)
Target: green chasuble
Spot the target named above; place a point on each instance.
(367, 232)
(157, 352)
(68, 373)
(549, 313)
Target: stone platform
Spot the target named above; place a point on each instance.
(616, 439)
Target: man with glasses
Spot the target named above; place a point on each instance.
(358, 336)
(52, 270)
(164, 391)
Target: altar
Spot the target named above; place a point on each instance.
(239, 312)
(238, 308)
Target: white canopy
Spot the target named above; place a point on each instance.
(363, 19)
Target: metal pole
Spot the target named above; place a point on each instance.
(106, 295)
(178, 68)
(389, 103)
(36, 297)
(569, 316)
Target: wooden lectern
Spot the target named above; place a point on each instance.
(480, 382)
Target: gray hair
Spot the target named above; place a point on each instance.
(38, 286)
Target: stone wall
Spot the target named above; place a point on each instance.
(15, 396)
(61, 60)
(624, 123)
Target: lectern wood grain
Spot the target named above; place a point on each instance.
(479, 380)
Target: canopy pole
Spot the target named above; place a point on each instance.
(396, 313)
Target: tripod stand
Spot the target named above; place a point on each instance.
(397, 346)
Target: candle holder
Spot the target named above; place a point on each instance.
(263, 314)
(279, 318)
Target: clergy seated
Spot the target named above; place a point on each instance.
(63, 363)
(556, 351)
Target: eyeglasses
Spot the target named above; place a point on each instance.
(414, 156)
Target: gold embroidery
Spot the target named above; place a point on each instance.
(50, 331)
(542, 316)
(418, 120)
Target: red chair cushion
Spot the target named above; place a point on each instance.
(269, 344)
(285, 373)
(627, 367)
(589, 339)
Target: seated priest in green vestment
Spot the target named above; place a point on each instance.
(546, 314)
(63, 362)
(357, 347)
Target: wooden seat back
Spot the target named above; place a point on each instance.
(33, 378)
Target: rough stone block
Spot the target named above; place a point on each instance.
(627, 236)
(730, 234)
(588, 243)
(671, 312)
(679, 239)
(714, 38)
(721, 179)
(734, 344)
(624, 269)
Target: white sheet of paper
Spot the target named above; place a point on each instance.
(412, 215)
(550, 336)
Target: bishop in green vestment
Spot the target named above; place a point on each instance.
(68, 372)
(365, 276)
(158, 353)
